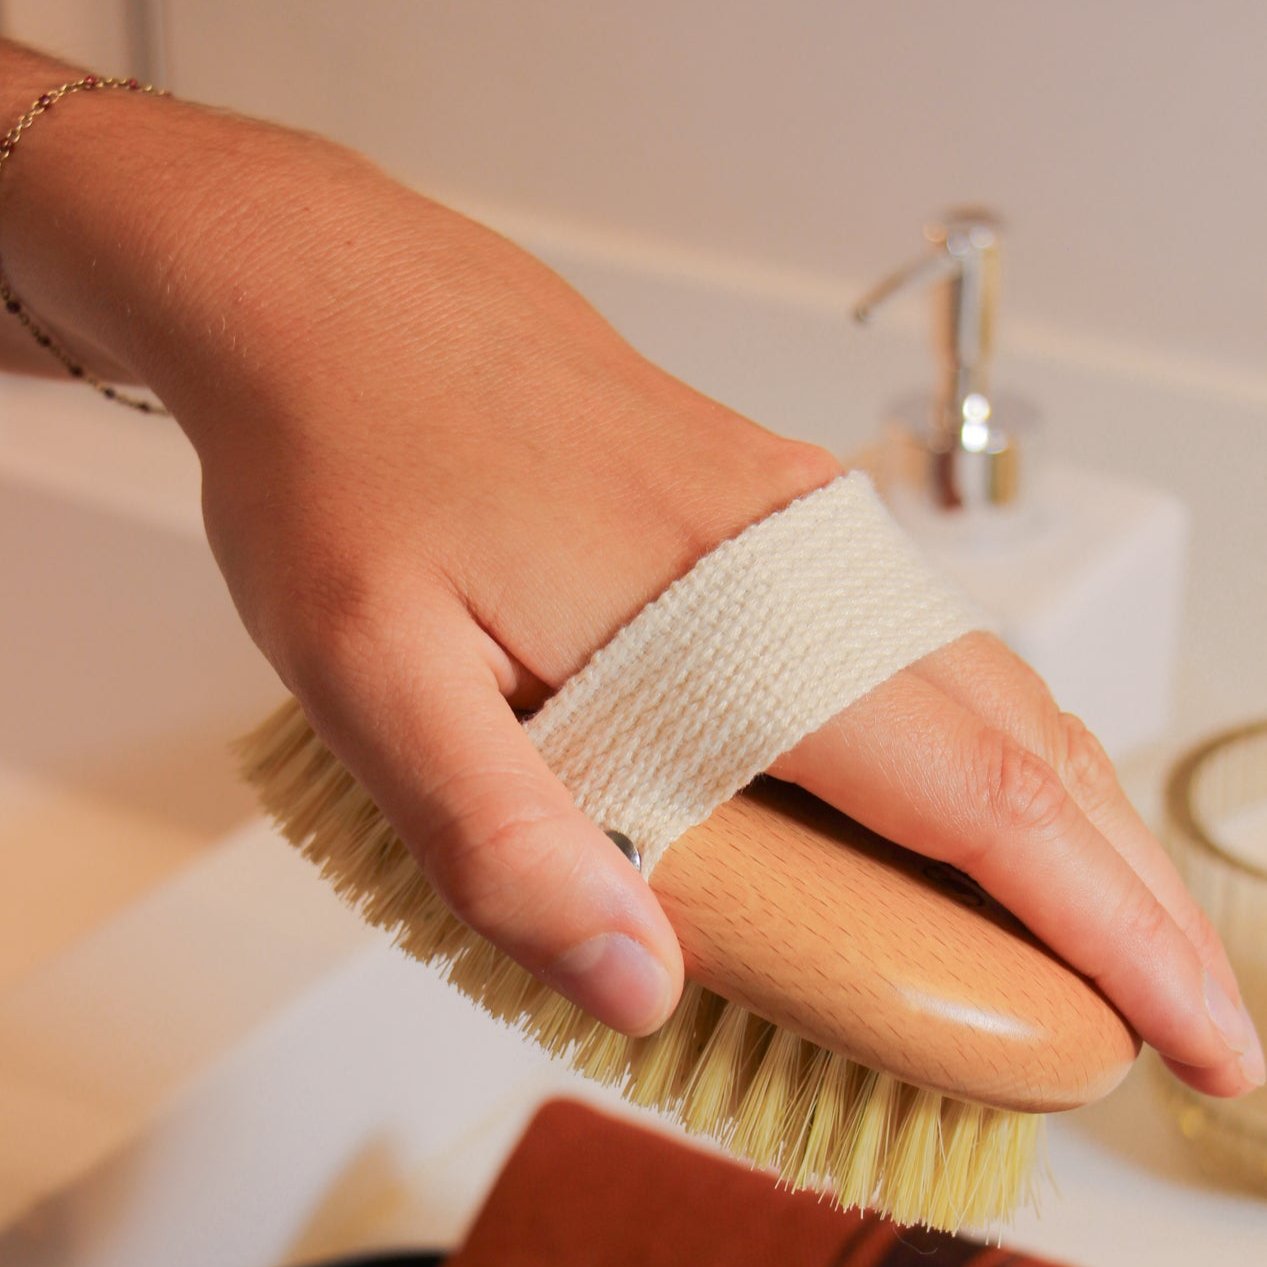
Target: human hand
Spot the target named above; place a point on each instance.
(566, 482)
(436, 481)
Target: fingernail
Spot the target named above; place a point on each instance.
(616, 979)
(1230, 1019)
(1252, 1065)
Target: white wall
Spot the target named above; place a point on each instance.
(1124, 141)
(91, 32)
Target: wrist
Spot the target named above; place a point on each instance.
(120, 215)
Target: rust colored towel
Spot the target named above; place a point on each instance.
(586, 1190)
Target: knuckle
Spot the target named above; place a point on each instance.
(1022, 791)
(1084, 763)
(777, 471)
(805, 466)
(1141, 920)
(492, 872)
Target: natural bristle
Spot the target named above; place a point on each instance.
(661, 1065)
(713, 1090)
(761, 1122)
(860, 1159)
(765, 1093)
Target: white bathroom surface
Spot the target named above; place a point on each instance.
(100, 1039)
(124, 671)
(107, 855)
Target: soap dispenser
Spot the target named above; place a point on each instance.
(1082, 571)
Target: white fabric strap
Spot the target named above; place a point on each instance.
(759, 644)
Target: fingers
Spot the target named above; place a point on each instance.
(913, 765)
(443, 755)
(983, 675)
(986, 677)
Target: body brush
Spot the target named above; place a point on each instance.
(856, 1017)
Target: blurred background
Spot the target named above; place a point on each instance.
(723, 180)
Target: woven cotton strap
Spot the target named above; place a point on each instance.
(758, 645)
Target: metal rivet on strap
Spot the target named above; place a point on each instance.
(626, 846)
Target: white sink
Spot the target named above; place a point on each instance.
(124, 675)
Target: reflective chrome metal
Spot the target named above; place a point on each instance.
(626, 846)
(964, 442)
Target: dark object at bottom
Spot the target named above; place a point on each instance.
(392, 1258)
(582, 1189)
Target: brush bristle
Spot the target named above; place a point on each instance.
(769, 1096)
(762, 1119)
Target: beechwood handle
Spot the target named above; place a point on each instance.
(900, 963)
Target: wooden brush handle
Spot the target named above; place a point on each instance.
(900, 963)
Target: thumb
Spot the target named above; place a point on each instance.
(503, 844)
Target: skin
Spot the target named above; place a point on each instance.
(436, 481)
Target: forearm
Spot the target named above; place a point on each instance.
(138, 230)
(200, 251)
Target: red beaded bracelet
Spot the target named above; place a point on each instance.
(12, 304)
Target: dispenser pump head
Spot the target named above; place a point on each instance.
(969, 451)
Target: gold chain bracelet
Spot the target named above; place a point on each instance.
(12, 304)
